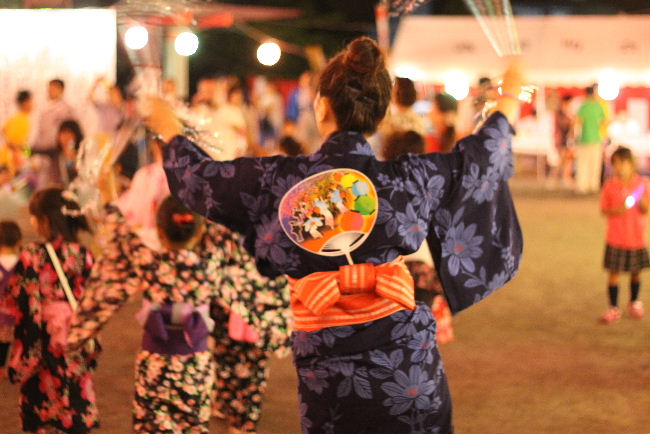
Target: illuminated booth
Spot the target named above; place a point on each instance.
(562, 55)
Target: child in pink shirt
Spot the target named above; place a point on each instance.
(624, 201)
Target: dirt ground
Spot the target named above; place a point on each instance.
(530, 359)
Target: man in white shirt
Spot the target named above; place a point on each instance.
(45, 148)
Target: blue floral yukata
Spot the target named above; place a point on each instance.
(383, 376)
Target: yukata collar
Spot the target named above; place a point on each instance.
(346, 142)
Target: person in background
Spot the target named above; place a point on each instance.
(69, 140)
(45, 147)
(147, 190)
(16, 132)
(564, 140)
(10, 237)
(589, 153)
(110, 110)
(443, 118)
(56, 386)
(170, 92)
(624, 201)
(232, 119)
(402, 117)
(55, 111)
(269, 108)
(300, 111)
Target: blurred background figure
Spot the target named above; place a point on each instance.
(564, 139)
(16, 133)
(55, 111)
(69, 140)
(402, 117)
(170, 93)
(589, 151)
(231, 118)
(300, 110)
(269, 108)
(109, 106)
(443, 115)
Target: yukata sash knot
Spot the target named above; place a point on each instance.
(353, 294)
(175, 328)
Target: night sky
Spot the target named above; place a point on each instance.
(331, 24)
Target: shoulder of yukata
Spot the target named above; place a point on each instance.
(31, 255)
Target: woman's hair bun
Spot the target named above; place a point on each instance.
(364, 56)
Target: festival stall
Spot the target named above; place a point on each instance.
(562, 55)
(76, 45)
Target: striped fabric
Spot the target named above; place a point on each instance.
(352, 295)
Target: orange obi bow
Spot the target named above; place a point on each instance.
(354, 289)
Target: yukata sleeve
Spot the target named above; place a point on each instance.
(474, 234)
(115, 276)
(26, 350)
(262, 302)
(223, 191)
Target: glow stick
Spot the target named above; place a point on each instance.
(481, 21)
(512, 28)
(632, 199)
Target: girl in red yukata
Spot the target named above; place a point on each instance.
(56, 386)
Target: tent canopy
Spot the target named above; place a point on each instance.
(558, 50)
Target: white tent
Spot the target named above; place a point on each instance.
(558, 50)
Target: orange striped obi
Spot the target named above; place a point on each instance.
(352, 295)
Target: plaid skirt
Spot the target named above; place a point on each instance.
(626, 260)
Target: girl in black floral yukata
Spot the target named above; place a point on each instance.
(175, 370)
(365, 352)
(56, 387)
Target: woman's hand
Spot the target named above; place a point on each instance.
(107, 185)
(513, 79)
(162, 120)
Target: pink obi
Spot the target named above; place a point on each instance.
(57, 317)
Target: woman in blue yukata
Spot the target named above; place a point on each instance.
(365, 352)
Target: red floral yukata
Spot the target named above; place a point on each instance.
(56, 387)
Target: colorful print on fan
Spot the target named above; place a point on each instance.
(330, 213)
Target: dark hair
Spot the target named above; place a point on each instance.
(622, 154)
(484, 80)
(23, 95)
(235, 88)
(58, 82)
(10, 234)
(445, 102)
(567, 98)
(590, 90)
(358, 86)
(73, 127)
(405, 94)
(119, 89)
(290, 146)
(178, 223)
(402, 142)
(61, 211)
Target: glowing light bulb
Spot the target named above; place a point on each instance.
(457, 84)
(609, 85)
(186, 43)
(269, 53)
(136, 37)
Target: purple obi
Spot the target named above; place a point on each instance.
(175, 328)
